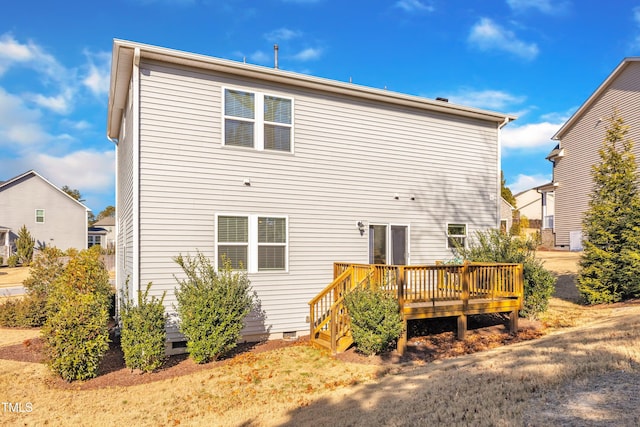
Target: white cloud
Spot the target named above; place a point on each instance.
(73, 169)
(98, 73)
(635, 44)
(13, 52)
(545, 6)
(414, 6)
(259, 57)
(282, 34)
(79, 125)
(487, 35)
(533, 135)
(61, 104)
(19, 124)
(308, 54)
(489, 99)
(526, 182)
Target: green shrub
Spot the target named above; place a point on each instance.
(12, 261)
(24, 246)
(211, 306)
(493, 246)
(375, 319)
(143, 333)
(45, 268)
(75, 333)
(10, 314)
(1, 260)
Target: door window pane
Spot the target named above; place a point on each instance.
(377, 244)
(398, 245)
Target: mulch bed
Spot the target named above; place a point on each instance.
(429, 340)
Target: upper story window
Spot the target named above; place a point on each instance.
(456, 235)
(259, 121)
(40, 216)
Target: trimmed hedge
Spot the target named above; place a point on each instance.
(375, 319)
(76, 334)
(143, 333)
(212, 306)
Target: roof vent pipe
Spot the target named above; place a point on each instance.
(275, 56)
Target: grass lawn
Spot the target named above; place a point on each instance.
(13, 276)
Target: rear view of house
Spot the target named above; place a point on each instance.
(579, 140)
(52, 217)
(284, 174)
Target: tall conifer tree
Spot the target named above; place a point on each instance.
(610, 266)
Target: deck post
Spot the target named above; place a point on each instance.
(513, 322)
(462, 326)
(464, 272)
(402, 339)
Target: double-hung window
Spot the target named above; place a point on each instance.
(456, 235)
(259, 121)
(252, 242)
(40, 216)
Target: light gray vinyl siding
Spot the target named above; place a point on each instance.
(351, 158)
(581, 144)
(125, 203)
(65, 220)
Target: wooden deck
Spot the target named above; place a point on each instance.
(423, 292)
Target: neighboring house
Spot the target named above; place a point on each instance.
(537, 206)
(284, 174)
(103, 233)
(52, 217)
(506, 215)
(580, 138)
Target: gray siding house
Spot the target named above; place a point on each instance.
(284, 174)
(579, 140)
(52, 216)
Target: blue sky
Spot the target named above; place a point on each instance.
(537, 59)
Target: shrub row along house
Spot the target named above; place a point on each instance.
(52, 217)
(283, 174)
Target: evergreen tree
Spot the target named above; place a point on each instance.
(610, 265)
(24, 246)
(506, 191)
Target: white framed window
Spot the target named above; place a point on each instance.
(456, 234)
(94, 240)
(40, 216)
(255, 243)
(257, 120)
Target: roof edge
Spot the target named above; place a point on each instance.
(33, 172)
(591, 99)
(283, 77)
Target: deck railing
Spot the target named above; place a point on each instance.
(409, 284)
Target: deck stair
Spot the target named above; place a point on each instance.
(423, 291)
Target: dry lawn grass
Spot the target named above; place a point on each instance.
(252, 388)
(586, 374)
(13, 276)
